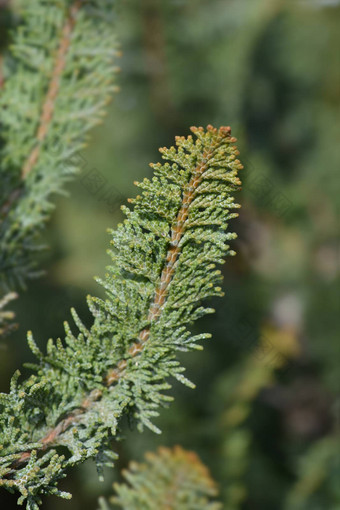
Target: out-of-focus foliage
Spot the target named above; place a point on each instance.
(245, 381)
(318, 477)
(269, 68)
(170, 479)
(6, 316)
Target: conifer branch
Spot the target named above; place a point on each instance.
(59, 81)
(177, 233)
(171, 479)
(53, 89)
(164, 261)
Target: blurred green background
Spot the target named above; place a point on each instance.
(266, 426)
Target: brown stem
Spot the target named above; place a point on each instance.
(53, 89)
(177, 232)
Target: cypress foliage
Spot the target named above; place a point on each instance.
(169, 479)
(164, 258)
(58, 78)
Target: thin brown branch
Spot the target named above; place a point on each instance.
(167, 274)
(53, 89)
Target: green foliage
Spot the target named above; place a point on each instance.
(171, 479)
(58, 79)
(164, 260)
(269, 68)
(318, 472)
(245, 382)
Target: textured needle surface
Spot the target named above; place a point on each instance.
(164, 258)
